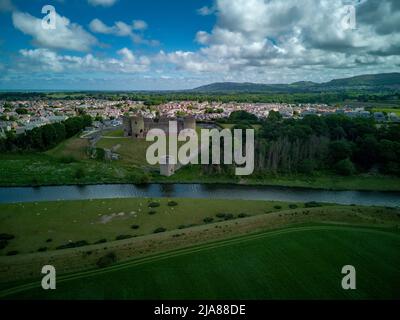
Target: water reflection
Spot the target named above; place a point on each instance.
(8, 195)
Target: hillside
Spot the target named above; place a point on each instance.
(364, 82)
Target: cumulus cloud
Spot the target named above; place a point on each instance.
(206, 11)
(67, 35)
(263, 36)
(139, 25)
(46, 60)
(122, 29)
(103, 3)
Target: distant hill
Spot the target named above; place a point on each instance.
(364, 82)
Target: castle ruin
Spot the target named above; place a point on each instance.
(137, 126)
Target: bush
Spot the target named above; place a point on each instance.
(142, 179)
(79, 173)
(229, 216)
(312, 204)
(101, 241)
(67, 159)
(172, 203)
(160, 230)
(6, 236)
(208, 220)
(154, 204)
(3, 244)
(152, 212)
(49, 240)
(107, 260)
(135, 227)
(293, 206)
(42, 249)
(123, 237)
(278, 207)
(243, 215)
(12, 253)
(225, 216)
(70, 245)
(345, 167)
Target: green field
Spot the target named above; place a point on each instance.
(387, 110)
(91, 220)
(295, 263)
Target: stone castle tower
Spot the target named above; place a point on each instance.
(137, 126)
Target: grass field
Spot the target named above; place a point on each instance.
(132, 152)
(387, 110)
(34, 223)
(295, 263)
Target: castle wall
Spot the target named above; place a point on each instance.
(138, 127)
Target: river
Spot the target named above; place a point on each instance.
(54, 193)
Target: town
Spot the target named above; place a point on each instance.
(24, 115)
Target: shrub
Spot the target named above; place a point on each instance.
(278, 207)
(12, 253)
(67, 159)
(208, 220)
(172, 203)
(70, 245)
(79, 173)
(293, 206)
(225, 216)
(312, 204)
(154, 204)
(3, 244)
(101, 241)
(345, 167)
(142, 179)
(135, 227)
(49, 240)
(229, 216)
(152, 212)
(42, 249)
(160, 230)
(123, 237)
(243, 215)
(6, 236)
(107, 260)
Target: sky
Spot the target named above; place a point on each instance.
(183, 44)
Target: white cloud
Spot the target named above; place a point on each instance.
(123, 29)
(67, 35)
(206, 11)
(139, 25)
(103, 3)
(264, 37)
(45, 60)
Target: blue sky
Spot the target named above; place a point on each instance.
(180, 44)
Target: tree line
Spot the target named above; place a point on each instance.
(332, 143)
(45, 137)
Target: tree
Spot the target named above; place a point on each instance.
(345, 167)
(339, 150)
(274, 116)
